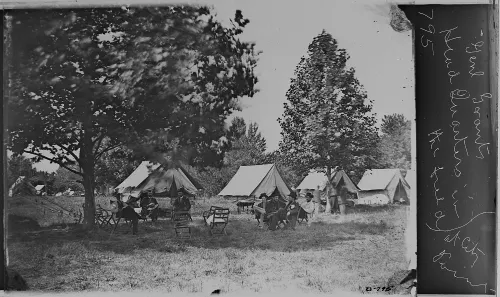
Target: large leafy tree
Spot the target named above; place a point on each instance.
(395, 143)
(159, 80)
(327, 121)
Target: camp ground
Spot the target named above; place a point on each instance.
(381, 186)
(171, 149)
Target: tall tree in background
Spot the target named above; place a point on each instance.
(18, 166)
(158, 80)
(246, 147)
(237, 129)
(66, 179)
(327, 120)
(395, 143)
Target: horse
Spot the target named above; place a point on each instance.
(127, 212)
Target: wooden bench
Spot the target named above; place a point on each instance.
(216, 219)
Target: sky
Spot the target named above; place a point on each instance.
(283, 29)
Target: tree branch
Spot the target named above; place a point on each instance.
(71, 153)
(97, 156)
(98, 140)
(54, 161)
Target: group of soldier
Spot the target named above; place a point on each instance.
(146, 205)
(273, 212)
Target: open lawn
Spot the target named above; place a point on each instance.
(364, 248)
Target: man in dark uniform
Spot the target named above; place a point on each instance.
(272, 205)
(182, 202)
(289, 213)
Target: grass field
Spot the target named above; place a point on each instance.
(333, 254)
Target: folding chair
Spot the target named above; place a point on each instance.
(302, 216)
(217, 219)
(103, 217)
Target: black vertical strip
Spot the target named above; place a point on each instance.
(3, 185)
(456, 149)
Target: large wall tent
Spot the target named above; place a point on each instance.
(162, 180)
(315, 179)
(377, 183)
(252, 181)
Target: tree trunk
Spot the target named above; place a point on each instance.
(87, 164)
(89, 206)
(328, 189)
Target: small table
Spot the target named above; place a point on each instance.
(244, 203)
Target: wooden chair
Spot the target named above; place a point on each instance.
(181, 224)
(209, 212)
(184, 213)
(216, 219)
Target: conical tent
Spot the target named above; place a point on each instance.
(255, 180)
(163, 181)
(389, 182)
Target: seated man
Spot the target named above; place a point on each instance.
(272, 205)
(149, 206)
(182, 202)
(289, 213)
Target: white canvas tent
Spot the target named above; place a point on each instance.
(388, 182)
(251, 181)
(164, 181)
(315, 179)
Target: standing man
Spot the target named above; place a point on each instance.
(260, 210)
(317, 201)
(334, 199)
